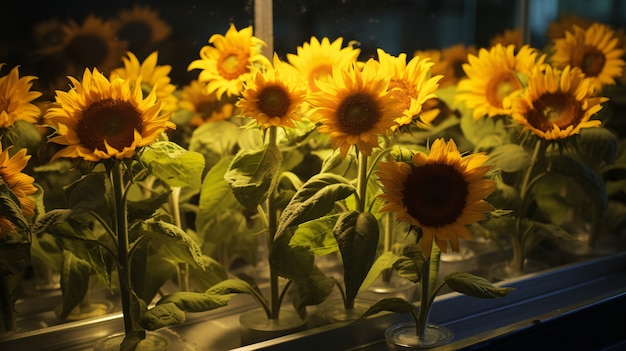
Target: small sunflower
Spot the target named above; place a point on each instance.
(594, 50)
(509, 37)
(228, 62)
(557, 104)
(354, 107)
(566, 22)
(16, 98)
(411, 84)
(441, 193)
(141, 27)
(92, 45)
(273, 95)
(152, 77)
(204, 107)
(494, 75)
(19, 183)
(315, 59)
(100, 119)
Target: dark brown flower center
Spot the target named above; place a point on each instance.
(87, 50)
(590, 60)
(274, 101)
(112, 120)
(435, 194)
(358, 113)
(138, 34)
(555, 108)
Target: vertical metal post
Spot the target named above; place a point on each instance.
(264, 25)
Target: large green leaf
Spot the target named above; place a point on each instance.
(475, 286)
(391, 304)
(88, 193)
(382, 263)
(586, 177)
(317, 235)
(596, 146)
(171, 309)
(252, 175)
(74, 282)
(509, 158)
(215, 141)
(315, 199)
(357, 236)
(216, 196)
(172, 164)
(410, 263)
(204, 279)
(11, 208)
(173, 243)
(145, 208)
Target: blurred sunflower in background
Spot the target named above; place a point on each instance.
(142, 28)
(492, 76)
(227, 63)
(204, 107)
(355, 107)
(440, 193)
(315, 59)
(98, 119)
(556, 104)
(273, 95)
(594, 50)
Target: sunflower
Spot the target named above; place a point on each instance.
(411, 84)
(16, 97)
(152, 77)
(315, 59)
(566, 22)
(227, 63)
(273, 95)
(204, 107)
(355, 107)
(509, 37)
(556, 104)
(594, 50)
(101, 119)
(141, 28)
(440, 193)
(19, 183)
(492, 76)
(92, 45)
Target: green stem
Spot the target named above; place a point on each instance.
(519, 238)
(8, 313)
(425, 300)
(361, 182)
(272, 226)
(182, 269)
(121, 226)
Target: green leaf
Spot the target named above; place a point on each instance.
(316, 235)
(315, 199)
(216, 196)
(11, 208)
(88, 193)
(357, 236)
(586, 177)
(149, 272)
(410, 263)
(172, 164)
(252, 175)
(509, 158)
(74, 282)
(596, 146)
(391, 304)
(50, 218)
(213, 273)
(385, 261)
(475, 286)
(174, 243)
(171, 309)
(204, 141)
(144, 209)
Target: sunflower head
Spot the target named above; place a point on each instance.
(440, 193)
(273, 95)
(227, 63)
(19, 183)
(316, 59)
(494, 75)
(594, 50)
(141, 27)
(205, 107)
(411, 84)
(557, 103)
(100, 119)
(16, 99)
(152, 76)
(355, 107)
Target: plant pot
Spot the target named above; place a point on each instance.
(256, 327)
(403, 336)
(154, 341)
